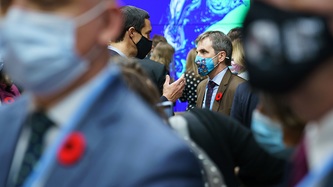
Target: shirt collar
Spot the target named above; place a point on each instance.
(318, 141)
(218, 78)
(64, 109)
(116, 50)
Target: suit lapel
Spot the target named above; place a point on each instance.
(12, 120)
(92, 126)
(223, 86)
(201, 92)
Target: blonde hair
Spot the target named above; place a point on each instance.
(163, 53)
(190, 64)
(238, 54)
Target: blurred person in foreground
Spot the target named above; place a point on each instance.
(77, 123)
(8, 90)
(290, 53)
(275, 126)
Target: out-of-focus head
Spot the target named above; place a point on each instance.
(290, 53)
(238, 58)
(66, 39)
(235, 33)
(163, 53)
(138, 81)
(157, 39)
(190, 61)
(96, 29)
(4, 5)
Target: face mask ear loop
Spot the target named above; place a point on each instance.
(91, 14)
(219, 62)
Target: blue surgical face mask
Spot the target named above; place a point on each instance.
(269, 135)
(206, 65)
(40, 49)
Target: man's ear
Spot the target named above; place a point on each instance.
(131, 31)
(221, 56)
(113, 25)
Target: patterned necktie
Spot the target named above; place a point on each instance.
(300, 165)
(39, 123)
(211, 85)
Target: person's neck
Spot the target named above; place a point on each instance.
(95, 67)
(217, 70)
(121, 46)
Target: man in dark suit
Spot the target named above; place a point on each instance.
(134, 41)
(77, 123)
(214, 56)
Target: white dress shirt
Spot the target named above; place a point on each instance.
(318, 141)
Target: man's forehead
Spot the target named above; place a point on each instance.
(205, 43)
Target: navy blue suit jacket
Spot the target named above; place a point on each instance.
(245, 101)
(127, 145)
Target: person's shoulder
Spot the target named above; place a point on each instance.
(152, 63)
(238, 79)
(203, 82)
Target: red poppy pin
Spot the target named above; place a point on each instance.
(218, 96)
(72, 149)
(8, 100)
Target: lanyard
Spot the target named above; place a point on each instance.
(39, 175)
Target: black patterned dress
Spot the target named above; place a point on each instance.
(190, 91)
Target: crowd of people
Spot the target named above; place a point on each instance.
(84, 89)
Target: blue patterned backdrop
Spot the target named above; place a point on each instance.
(181, 21)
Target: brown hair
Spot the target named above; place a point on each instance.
(163, 53)
(190, 58)
(157, 39)
(138, 81)
(235, 33)
(4, 5)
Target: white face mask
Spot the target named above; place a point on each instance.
(39, 49)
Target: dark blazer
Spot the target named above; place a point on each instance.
(127, 145)
(227, 87)
(229, 144)
(245, 101)
(156, 71)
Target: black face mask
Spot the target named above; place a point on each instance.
(143, 47)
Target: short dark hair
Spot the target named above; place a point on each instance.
(133, 17)
(220, 42)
